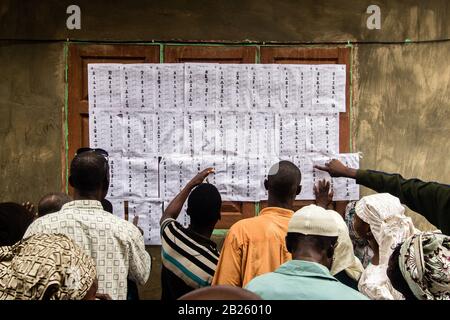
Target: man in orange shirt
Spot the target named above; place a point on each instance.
(257, 245)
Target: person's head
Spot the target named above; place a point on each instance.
(14, 221)
(89, 173)
(52, 202)
(107, 205)
(283, 182)
(381, 218)
(46, 267)
(361, 246)
(344, 256)
(395, 275)
(220, 292)
(204, 205)
(312, 235)
(419, 268)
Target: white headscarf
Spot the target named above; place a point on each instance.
(389, 226)
(388, 222)
(344, 257)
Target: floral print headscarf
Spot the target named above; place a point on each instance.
(425, 264)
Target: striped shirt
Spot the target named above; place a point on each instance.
(189, 260)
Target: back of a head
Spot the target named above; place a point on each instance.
(107, 205)
(14, 221)
(295, 241)
(395, 275)
(52, 202)
(221, 292)
(204, 205)
(283, 180)
(311, 227)
(89, 172)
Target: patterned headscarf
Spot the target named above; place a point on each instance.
(45, 261)
(360, 246)
(425, 264)
(388, 222)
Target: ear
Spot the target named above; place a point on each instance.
(266, 184)
(330, 252)
(288, 245)
(299, 189)
(71, 181)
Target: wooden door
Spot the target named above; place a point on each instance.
(79, 57)
(299, 55)
(232, 211)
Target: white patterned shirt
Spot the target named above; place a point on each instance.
(116, 245)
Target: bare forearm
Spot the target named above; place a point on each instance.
(174, 208)
(351, 173)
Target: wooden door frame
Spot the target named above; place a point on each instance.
(76, 54)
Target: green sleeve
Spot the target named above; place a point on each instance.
(430, 199)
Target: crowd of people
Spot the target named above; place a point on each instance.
(74, 248)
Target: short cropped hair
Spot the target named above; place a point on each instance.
(52, 202)
(296, 240)
(89, 171)
(283, 179)
(204, 205)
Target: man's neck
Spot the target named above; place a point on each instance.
(285, 204)
(84, 196)
(311, 256)
(203, 231)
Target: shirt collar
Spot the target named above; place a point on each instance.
(83, 204)
(305, 269)
(278, 211)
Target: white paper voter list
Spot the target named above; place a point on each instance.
(163, 123)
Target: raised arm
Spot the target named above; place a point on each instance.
(175, 206)
(431, 199)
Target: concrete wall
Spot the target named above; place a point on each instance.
(226, 20)
(402, 110)
(31, 109)
(400, 91)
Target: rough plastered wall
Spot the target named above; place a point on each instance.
(31, 106)
(402, 111)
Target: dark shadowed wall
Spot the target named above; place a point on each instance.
(31, 106)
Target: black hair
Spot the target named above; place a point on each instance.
(321, 243)
(52, 202)
(89, 171)
(204, 205)
(396, 277)
(283, 179)
(14, 221)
